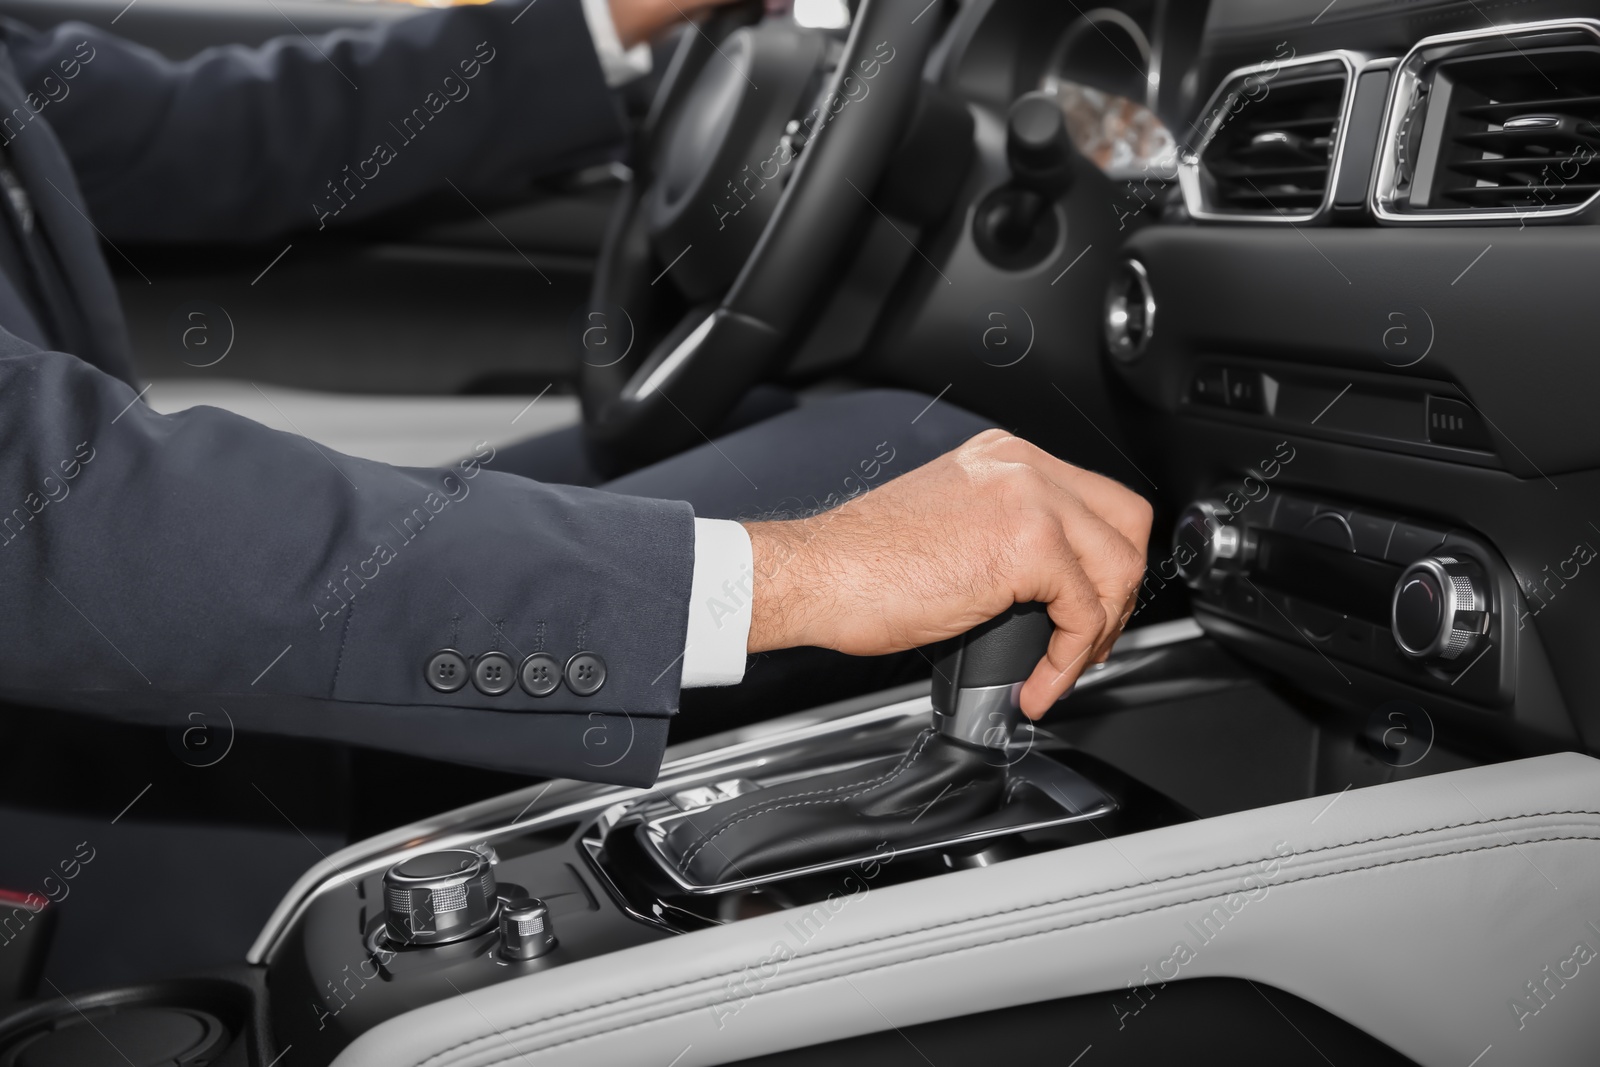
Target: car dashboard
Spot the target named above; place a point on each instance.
(1322, 297)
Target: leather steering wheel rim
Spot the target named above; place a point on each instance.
(655, 405)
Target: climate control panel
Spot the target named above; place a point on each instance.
(1409, 600)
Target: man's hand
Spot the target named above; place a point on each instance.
(952, 544)
(640, 20)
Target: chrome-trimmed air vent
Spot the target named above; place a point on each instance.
(1493, 125)
(1270, 141)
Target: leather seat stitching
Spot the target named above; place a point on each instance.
(1061, 900)
(983, 944)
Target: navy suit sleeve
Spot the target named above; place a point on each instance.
(239, 144)
(157, 567)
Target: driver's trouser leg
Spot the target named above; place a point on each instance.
(561, 457)
(813, 457)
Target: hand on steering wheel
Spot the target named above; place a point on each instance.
(638, 21)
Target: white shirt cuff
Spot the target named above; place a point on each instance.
(619, 66)
(719, 605)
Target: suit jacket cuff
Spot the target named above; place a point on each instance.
(619, 65)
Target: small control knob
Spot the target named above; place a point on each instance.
(1204, 536)
(1440, 608)
(439, 897)
(525, 930)
(1015, 225)
(1038, 147)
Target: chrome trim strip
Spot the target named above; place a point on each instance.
(1189, 164)
(1407, 77)
(985, 716)
(1124, 348)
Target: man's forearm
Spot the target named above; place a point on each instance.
(151, 560)
(637, 21)
(950, 545)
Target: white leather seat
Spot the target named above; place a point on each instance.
(1425, 912)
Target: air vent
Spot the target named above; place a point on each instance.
(1500, 125)
(1270, 140)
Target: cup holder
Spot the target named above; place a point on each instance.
(174, 1025)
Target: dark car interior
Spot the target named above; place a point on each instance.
(1311, 277)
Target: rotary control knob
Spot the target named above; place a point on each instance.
(525, 930)
(1038, 146)
(1440, 608)
(439, 897)
(1204, 536)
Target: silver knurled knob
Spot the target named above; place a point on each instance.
(439, 897)
(525, 930)
(1440, 608)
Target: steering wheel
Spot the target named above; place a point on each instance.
(752, 174)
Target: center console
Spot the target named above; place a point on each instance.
(797, 819)
(794, 816)
(760, 853)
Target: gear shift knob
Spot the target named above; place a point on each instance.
(977, 686)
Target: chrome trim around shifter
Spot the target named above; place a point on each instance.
(985, 716)
(1075, 797)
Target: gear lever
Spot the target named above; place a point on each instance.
(952, 777)
(977, 687)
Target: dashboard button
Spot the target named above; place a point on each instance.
(1210, 386)
(493, 674)
(1293, 513)
(1245, 392)
(1411, 543)
(1332, 529)
(446, 670)
(1457, 424)
(1371, 534)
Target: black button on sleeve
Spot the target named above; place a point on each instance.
(540, 674)
(586, 673)
(446, 670)
(494, 674)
